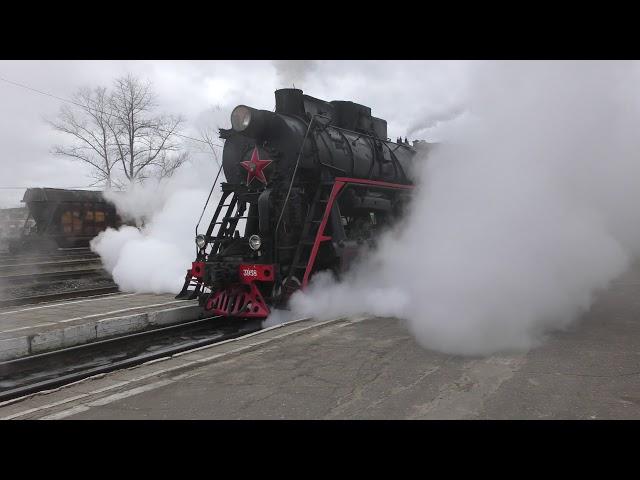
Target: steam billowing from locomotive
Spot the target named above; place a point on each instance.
(521, 216)
(151, 259)
(291, 71)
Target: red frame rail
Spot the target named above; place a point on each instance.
(339, 184)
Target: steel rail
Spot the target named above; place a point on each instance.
(48, 265)
(65, 379)
(51, 297)
(47, 276)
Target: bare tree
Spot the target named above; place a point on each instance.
(91, 128)
(210, 140)
(120, 135)
(209, 124)
(146, 143)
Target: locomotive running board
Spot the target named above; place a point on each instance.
(339, 184)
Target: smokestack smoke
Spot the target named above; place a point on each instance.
(434, 118)
(522, 215)
(291, 72)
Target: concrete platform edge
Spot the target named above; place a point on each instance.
(211, 354)
(69, 336)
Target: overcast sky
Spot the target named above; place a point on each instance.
(410, 95)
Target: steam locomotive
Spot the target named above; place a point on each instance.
(307, 186)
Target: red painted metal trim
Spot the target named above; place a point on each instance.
(243, 299)
(340, 183)
(197, 269)
(320, 236)
(247, 302)
(373, 183)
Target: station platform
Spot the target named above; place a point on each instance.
(366, 368)
(372, 368)
(49, 326)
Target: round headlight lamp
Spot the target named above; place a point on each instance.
(255, 242)
(200, 241)
(240, 118)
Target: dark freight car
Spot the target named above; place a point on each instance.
(61, 218)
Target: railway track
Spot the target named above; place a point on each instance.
(36, 277)
(65, 295)
(47, 371)
(21, 269)
(48, 266)
(54, 255)
(63, 274)
(13, 259)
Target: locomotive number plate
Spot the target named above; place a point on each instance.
(260, 272)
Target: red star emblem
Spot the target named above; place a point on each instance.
(255, 167)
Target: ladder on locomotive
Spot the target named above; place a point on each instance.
(304, 259)
(226, 229)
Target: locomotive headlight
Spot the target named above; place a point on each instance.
(255, 242)
(200, 241)
(240, 118)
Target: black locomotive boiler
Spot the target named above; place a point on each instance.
(306, 187)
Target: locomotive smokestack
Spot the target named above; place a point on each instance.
(290, 101)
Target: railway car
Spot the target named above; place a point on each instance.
(61, 218)
(308, 186)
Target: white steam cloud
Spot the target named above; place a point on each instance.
(528, 207)
(155, 257)
(527, 210)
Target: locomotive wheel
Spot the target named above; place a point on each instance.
(283, 291)
(290, 285)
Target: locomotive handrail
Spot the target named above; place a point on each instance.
(353, 158)
(374, 155)
(293, 176)
(215, 182)
(372, 136)
(396, 162)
